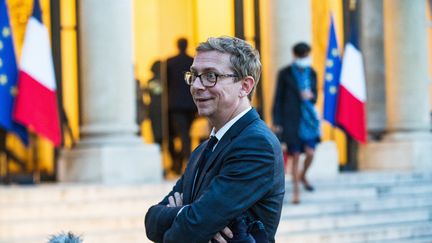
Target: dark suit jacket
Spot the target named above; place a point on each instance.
(286, 106)
(244, 173)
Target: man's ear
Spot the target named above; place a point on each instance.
(247, 85)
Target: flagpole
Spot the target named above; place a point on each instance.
(3, 157)
(35, 157)
(333, 134)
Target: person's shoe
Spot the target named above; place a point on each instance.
(306, 185)
(295, 200)
(296, 197)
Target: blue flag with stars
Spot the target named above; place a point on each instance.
(8, 76)
(331, 76)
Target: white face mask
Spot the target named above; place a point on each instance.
(303, 62)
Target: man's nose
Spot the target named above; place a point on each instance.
(197, 84)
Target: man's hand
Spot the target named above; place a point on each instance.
(277, 129)
(284, 147)
(176, 200)
(218, 237)
(307, 94)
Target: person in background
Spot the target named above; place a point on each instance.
(154, 90)
(181, 108)
(233, 187)
(294, 117)
(141, 108)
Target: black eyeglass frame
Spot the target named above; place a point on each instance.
(190, 78)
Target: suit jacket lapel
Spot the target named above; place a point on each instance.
(234, 130)
(189, 179)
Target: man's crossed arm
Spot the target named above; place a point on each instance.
(176, 200)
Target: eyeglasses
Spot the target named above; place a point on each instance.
(208, 79)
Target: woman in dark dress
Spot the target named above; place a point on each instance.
(294, 116)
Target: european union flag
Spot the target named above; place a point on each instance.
(8, 76)
(331, 76)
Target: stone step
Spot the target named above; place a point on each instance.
(307, 209)
(56, 211)
(413, 233)
(87, 225)
(84, 192)
(331, 185)
(405, 190)
(137, 203)
(78, 192)
(106, 223)
(408, 232)
(365, 192)
(375, 178)
(133, 236)
(423, 239)
(127, 206)
(115, 236)
(332, 222)
(365, 206)
(368, 180)
(138, 236)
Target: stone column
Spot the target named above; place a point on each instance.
(372, 46)
(109, 150)
(287, 22)
(290, 22)
(408, 144)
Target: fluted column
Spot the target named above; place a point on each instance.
(106, 70)
(406, 65)
(109, 150)
(286, 23)
(289, 22)
(372, 46)
(408, 143)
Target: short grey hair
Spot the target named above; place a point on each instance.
(245, 59)
(65, 238)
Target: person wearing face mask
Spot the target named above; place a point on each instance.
(295, 120)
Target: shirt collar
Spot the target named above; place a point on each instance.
(228, 125)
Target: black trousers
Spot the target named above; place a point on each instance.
(180, 123)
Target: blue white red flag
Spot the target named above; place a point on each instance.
(36, 103)
(351, 111)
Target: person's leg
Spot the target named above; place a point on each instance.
(173, 133)
(285, 156)
(295, 178)
(309, 153)
(184, 123)
(190, 119)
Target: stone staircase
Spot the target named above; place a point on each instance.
(354, 207)
(362, 207)
(99, 213)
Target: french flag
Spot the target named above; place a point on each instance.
(351, 110)
(36, 102)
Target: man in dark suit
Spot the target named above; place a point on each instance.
(181, 108)
(238, 173)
